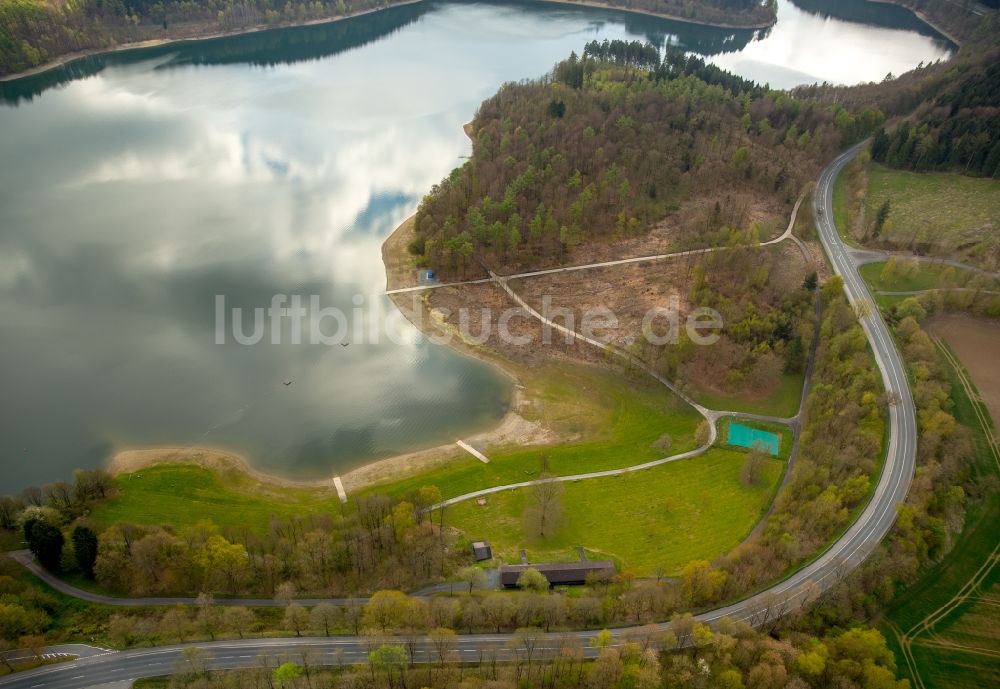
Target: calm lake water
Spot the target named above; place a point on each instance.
(136, 187)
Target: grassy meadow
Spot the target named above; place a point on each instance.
(181, 495)
(656, 519)
(941, 213)
(783, 402)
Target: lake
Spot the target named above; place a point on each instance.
(137, 187)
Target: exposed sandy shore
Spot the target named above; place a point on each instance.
(514, 429)
(220, 461)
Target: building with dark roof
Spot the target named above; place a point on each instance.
(558, 573)
(481, 550)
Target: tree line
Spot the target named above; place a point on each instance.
(33, 33)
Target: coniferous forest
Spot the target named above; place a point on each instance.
(957, 131)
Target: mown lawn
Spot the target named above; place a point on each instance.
(184, 495)
(658, 518)
(921, 275)
(783, 402)
(941, 210)
(619, 422)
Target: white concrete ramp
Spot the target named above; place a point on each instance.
(473, 451)
(341, 493)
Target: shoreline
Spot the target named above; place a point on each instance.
(510, 429)
(597, 4)
(922, 16)
(68, 58)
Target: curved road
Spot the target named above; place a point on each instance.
(846, 553)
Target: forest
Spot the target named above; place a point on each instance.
(957, 131)
(608, 144)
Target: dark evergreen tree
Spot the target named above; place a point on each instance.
(85, 549)
(46, 542)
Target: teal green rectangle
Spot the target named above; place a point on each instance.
(745, 436)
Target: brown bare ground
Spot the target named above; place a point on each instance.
(975, 342)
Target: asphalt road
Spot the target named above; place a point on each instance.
(845, 554)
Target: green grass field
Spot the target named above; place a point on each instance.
(912, 276)
(184, 495)
(658, 518)
(944, 213)
(783, 402)
(976, 622)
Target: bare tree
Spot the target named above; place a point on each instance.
(752, 466)
(544, 506)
